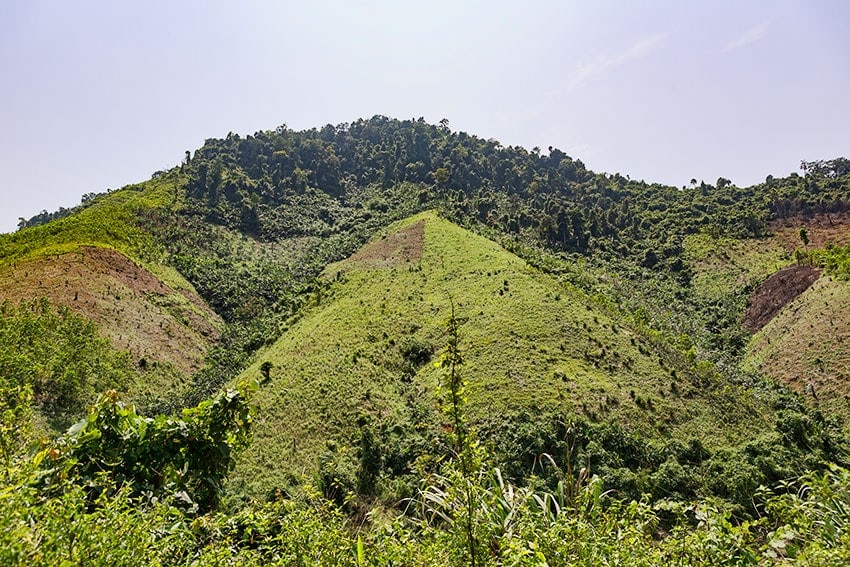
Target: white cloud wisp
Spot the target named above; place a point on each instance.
(749, 37)
(606, 61)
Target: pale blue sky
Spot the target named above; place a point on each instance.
(95, 95)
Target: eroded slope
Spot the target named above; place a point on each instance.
(138, 312)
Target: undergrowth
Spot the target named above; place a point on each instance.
(89, 500)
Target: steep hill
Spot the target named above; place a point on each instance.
(533, 347)
(806, 346)
(615, 320)
(137, 311)
(103, 264)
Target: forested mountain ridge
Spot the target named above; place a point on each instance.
(353, 178)
(611, 339)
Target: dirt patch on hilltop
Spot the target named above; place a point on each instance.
(401, 247)
(136, 311)
(776, 292)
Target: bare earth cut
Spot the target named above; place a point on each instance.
(822, 228)
(401, 247)
(133, 308)
(776, 292)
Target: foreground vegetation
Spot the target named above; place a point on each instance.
(120, 489)
(808, 525)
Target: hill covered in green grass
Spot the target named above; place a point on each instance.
(680, 346)
(540, 357)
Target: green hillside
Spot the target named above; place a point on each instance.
(535, 350)
(805, 346)
(639, 361)
(104, 269)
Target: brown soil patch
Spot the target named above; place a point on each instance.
(821, 229)
(392, 250)
(807, 347)
(131, 307)
(776, 292)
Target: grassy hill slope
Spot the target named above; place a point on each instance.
(532, 347)
(106, 267)
(799, 316)
(805, 346)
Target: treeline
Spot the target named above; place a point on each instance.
(285, 183)
(45, 217)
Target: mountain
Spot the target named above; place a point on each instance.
(534, 349)
(447, 351)
(596, 311)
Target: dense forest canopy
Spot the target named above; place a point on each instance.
(284, 183)
(245, 181)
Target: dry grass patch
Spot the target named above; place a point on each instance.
(136, 311)
(807, 346)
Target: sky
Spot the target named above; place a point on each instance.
(95, 95)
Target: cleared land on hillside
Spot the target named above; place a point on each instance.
(531, 346)
(134, 309)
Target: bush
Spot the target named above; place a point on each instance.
(188, 458)
(58, 355)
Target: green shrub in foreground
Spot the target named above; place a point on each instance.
(802, 523)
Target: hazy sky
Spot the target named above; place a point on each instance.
(96, 95)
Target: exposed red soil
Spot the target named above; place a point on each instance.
(821, 229)
(809, 346)
(776, 292)
(398, 248)
(131, 306)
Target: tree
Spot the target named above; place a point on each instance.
(804, 236)
(441, 176)
(187, 458)
(265, 370)
(15, 419)
(465, 447)
(369, 454)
